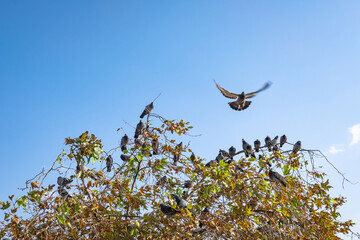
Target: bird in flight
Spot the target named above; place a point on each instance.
(240, 103)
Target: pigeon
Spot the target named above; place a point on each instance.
(248, 150)
(297, 147)
(275, 148)
(63, 182)
(167, 210)
(224, 153)
(125, 158)
(283, 140)
(63, 193)
(137, 142)
(180, 202)
(257, 145)
(124, 141)
(219, 157)
(147, 109)
(240, 103)
(203, 215)
(155, 146)
(210, 163)
(177, 154)
(273, 142)
(193, 157)
(109, 163)
(85, 171)
(232, 152)
(267, 142)
(276, 177)
(187, 184)
(139, 129)
(161, 181)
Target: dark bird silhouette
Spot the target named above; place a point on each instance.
(276, 177)
(63, 193)
(167, 210)
(267, 142)
(162, 181)
(232, 152)
(219, 157)
(273, 142)
(187, 184)
(240, 103)
(257, 145)
(125, 158)
(155, 146)
(63, 181)
(193, 157)
(177, 154)
(180, 202)
(283, 140)
(147, 109)
(210, 163)
(248, 150)
(109, 163)
(297, 147)
(124, 142)
(85, 171)
(139, 129)
(203, 216)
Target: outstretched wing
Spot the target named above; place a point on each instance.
(226, 93)
(266, 86)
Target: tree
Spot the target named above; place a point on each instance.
(161, 190)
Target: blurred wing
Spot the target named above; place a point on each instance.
(266, 86)
(226, 93)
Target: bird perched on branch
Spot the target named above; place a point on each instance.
(248, 150)
(276, 177)
(180, 202)
(297, 147)
(219, 157)
(139, 129)
(257, 145)
(240, 103)
(267, 142)
(125, 158)
(177, 154)
(283, 140)
(85, 171)
(210, 163)
(109, 163)
(167, 210)
(147, 109)
(187, 184)
(63, 193)
(232, 152)
(273, 143)
(155, 146)
(124, 142)
(63, 181)
(193, 157)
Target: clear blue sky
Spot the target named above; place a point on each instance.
(67, 67)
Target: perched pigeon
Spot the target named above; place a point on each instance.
(257, 145)
(63, 182)
(248, 150)
(297, 147)
(155, 146)
(180, 202)
(203, 215)
(232, 152)
(161, 181)
(177, 154)
(147, 110)
(139, 129)
(224, 153)
(124, 141)
(63, 193)
(267, 142)
(187, 184)
(193, 157)
(273, 143)
(109, 163)
(167, 210)
(276, 177)
(240, 103)
(283, 140)
(210, 163)
(85, 171)
(219, 157)
(125, 158)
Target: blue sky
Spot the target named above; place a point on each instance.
(67, 67)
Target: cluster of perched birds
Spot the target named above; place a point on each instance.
(227, 156)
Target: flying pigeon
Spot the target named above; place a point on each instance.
(232, 152)
(85, 171)
(180, 202)
(139, 129)
(124, 141)
(63, 193)
(167, 210)
(248, 150)
(257, 145)
(276, 177)
(155, 146)
(125, 158)
(161, 181)
(283, 140)
(297, 147)
(267, 142)
(203, 215)
(187, 184)
(63, 182)
(240, 103)
(109, 163)
(177, 154)
(147, 109)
